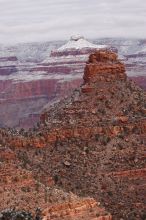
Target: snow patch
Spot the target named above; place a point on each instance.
(79, 42)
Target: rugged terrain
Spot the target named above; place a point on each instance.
(133, 54)
(91, 143)
(23, 197)
(26, 87)
(33, 76)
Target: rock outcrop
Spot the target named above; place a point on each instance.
(31, 77)
(76, 209)
(22, 196)
(93, 142)
(101, 63)
(37, 84)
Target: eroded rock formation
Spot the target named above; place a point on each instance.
(31, 77)
(26, 87)
(22, 196)
(92, 143)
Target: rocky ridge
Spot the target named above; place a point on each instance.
(23, 197)
(32, 78)
(37, 84)
(93, 143)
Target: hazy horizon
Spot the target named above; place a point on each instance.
(50, 20)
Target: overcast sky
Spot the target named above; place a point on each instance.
(45, 20)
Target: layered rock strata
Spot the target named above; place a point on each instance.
(93, 143)
(28, 87)
(23, 196)
(31, 77)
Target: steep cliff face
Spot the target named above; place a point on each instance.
(133, 54)
(35, 85)
(93, 143)
(33, 75)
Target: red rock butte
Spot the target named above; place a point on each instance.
(91, 143)
(103, 65)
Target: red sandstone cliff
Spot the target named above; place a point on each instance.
(92, 143)
(29, 88)
(26, 87)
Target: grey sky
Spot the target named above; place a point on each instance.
(42, 20)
